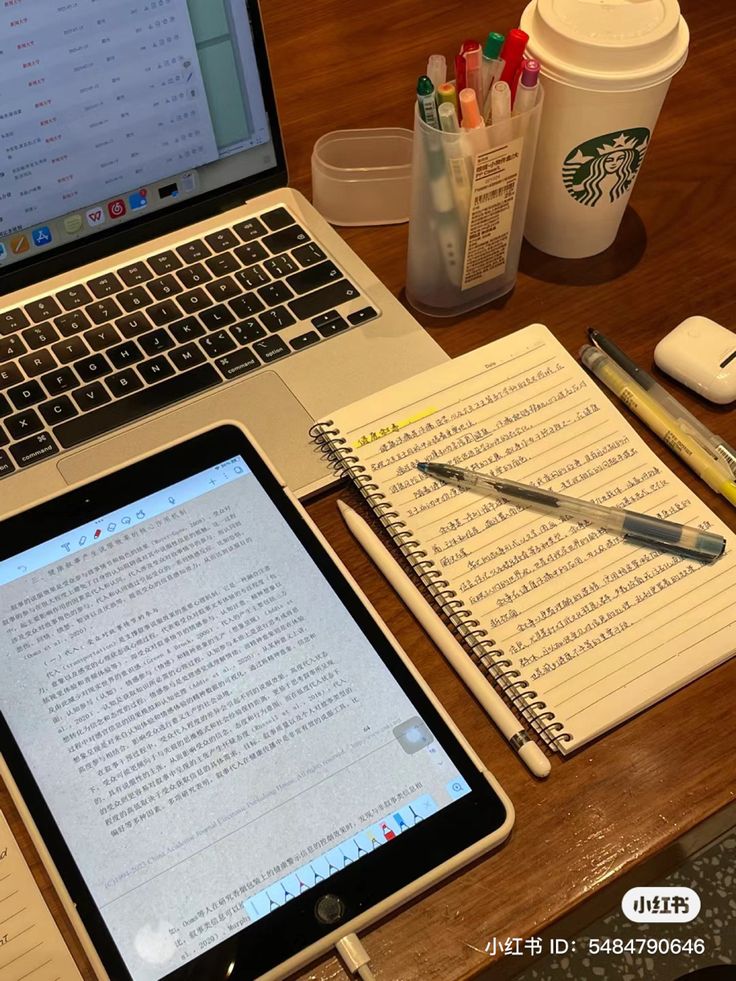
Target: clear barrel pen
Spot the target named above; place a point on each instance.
(641, 529)
(712, 442)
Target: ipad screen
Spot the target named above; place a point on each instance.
(212, 732)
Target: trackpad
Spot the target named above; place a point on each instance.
(264, 404)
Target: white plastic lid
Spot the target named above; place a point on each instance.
(607, 45)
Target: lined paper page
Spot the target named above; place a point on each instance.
(31, 946)
(599, 628)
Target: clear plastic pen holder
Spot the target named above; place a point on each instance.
(468, 205)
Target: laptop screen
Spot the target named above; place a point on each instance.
(112, 111)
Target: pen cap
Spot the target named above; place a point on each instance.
(606, 68)
(493, 45)
(512, 52)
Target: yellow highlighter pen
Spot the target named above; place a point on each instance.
(658, 420)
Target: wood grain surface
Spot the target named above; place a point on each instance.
(627, 806)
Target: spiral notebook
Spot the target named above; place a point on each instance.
(578, 629)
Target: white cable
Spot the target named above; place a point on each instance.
(355, 957)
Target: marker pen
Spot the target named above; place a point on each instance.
(446, 93)
(426, 102)
(471, 117)
(492, 64)
(512, 52)
(437, 69)
(500, 113)
(526, 93)
(473, 55)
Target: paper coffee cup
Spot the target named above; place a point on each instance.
(606, 67)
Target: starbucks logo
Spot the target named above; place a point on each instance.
(604, 168)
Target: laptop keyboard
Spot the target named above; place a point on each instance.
(105, 352)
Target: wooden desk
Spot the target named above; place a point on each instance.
(626, 807)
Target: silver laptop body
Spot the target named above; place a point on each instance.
(182, 295)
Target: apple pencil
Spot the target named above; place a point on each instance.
(459, 658)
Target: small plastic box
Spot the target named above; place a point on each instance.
(363, 176)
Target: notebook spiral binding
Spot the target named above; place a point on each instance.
(490, 659)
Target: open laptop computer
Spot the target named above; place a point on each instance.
(156, 273)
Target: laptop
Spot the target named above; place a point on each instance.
(157, 274)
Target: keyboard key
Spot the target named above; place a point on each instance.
(193, 251)
(72, 323)
(105, 285)
(325, 318)
(34, 449)
(248, 331)
(307, 255)
(5, 408)
(37, 363)
(70, 350)
(218, 317)
(9, 375)
(223, 289)
(313, 276)
(40, 336)
(156, 342)
(304, 340)
(6, 465)
(278, 218)
(287, 238)
(101, 337)
(125, 354)
(4, 438)
(12, 320)
(194, 300)
(136, 272)
(271, 349)
(156, 369)
(187, 329)
(333, 327)
(140, 404)
(252, 277)
(277, 318)
(274, 293)
(280, 265)
(217, 344)
(187, 356)
(12, 347)
(135, 324)
(224, 239)
(73, 297)
(247, 305)
(124, 383)
(238, 363)
(250, 228)
(195, 275)
(103, 311)
(134, 299)
(165, 287)
(57, 410)
(307, 306)
(164, 313)
(91, 396)
(26, 394)
(90, 368)
(61, 380)
(39, 310)
(250, 253)
(360, 316)
(164, 262)
(218, 265)
(23, 424)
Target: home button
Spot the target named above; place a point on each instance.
(329, 909)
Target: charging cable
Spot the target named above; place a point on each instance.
(355, 957)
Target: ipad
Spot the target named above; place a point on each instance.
(224, 758)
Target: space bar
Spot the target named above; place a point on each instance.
(133, 407)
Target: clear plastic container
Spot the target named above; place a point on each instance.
(363, 176)
(468, 207)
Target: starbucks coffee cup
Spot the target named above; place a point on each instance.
(606, 67)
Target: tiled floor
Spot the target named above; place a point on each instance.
(712, 874)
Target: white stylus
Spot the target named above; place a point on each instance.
(459, 658)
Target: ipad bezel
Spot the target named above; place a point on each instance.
(470, 823)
